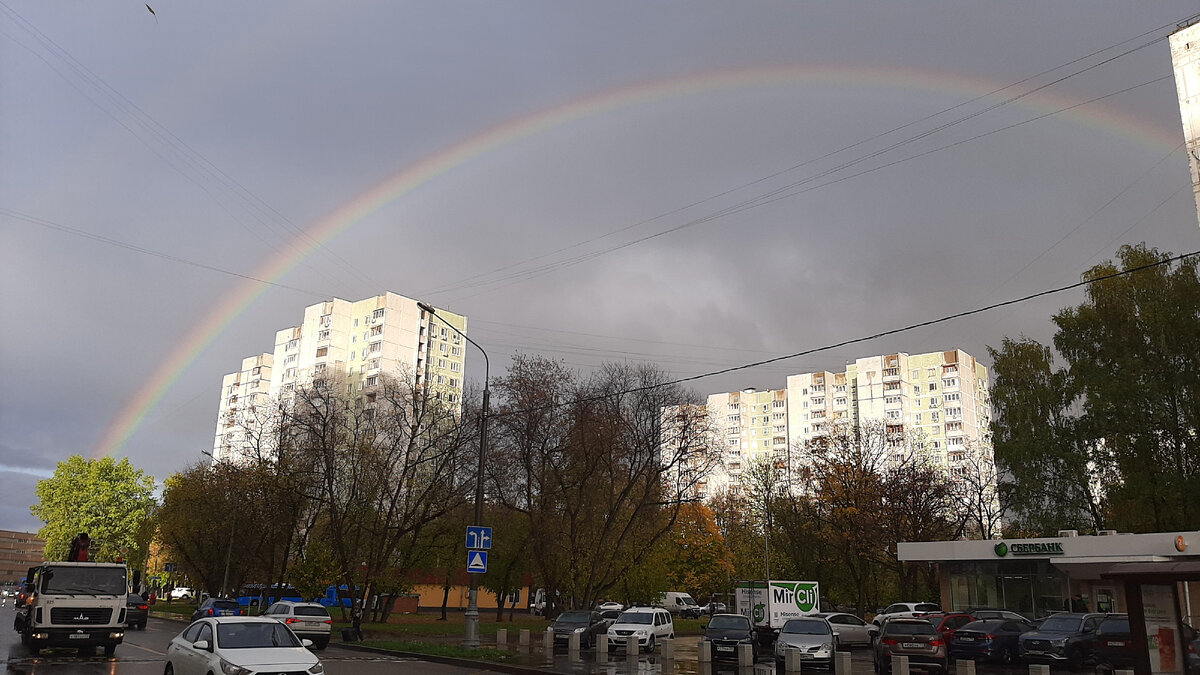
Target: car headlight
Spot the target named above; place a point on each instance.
(317, 669)
(1061, 642)
(579, 630)
(642, 632)
(827, 646)
(230, 669)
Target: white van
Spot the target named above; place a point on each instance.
(681, 604)
(649, 624)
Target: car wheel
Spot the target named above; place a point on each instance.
(650, 645)
(322, 644)
(142, 626)
(1075, 659)
(169, 670)
(1006, 656)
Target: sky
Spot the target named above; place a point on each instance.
(696, 184)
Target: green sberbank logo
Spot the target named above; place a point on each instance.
(1035, 548)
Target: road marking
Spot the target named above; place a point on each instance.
(152, 651)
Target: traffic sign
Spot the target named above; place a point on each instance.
(169, 567)
(479, 537)
(477, 562)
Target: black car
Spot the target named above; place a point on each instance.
(587, 624)
(136, 611)
(994, 639)
(1112, 643)
(217, 607)
(1061, 638)
(725, 632)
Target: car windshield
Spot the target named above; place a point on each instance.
(687, 600)
(574, 617)
(927, 607)
(909, 628)
(255, 635)
(311, 611)
(1061, 624)
(636, 617)
(806, 627)
(84, 580)
(729, 623)
(224, 604)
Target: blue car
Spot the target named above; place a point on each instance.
(990, 639)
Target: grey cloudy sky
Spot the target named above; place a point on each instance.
(217, 133)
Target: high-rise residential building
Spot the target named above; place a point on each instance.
(940, 398)
(18, 552)
(1185, 57)
(357, 342)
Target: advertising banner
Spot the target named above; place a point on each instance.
(775, 602)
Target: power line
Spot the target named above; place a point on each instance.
(843, 343)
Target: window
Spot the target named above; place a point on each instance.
(841, 389)
(444, 332)
(953, 397)
(354, 338)
(292, 344)
(891, 386)
(733, 406)
(376, 347)
(733, 441)
(893, 414)
(954, 441)
(456, 351)
(441, 379)
(323, 335)
(933, 416)
(377, 314)
(930, 372)
(289, 359)
(953, 413)
(819, 400)
(891, 371)
(356, 323)
(778, 404)
(453, 382)
(441, 363)
(915, 374)
(372, 380)
(377, 330)
(373, 364)
(319, 369)
(934, 402)
(455, 366)
(817, 414)
(917, 389)
(732, 418)
(953, 426)
(933, 386)
(352, 354)
(322, 351)
(777, 416)
(949, 382)
(841, 400)
(918, 418)
(326, 320)
(892, 400)
(444, 347)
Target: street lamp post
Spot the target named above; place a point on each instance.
(471, 616)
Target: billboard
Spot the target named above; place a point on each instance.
(773, 603)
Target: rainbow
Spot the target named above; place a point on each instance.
(133, 414)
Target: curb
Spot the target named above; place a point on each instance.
(491, 666)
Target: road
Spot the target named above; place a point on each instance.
(143, 653)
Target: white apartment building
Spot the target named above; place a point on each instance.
(940, 398)
(1185, 59)
(355, 341)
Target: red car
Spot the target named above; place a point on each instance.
(947, 624)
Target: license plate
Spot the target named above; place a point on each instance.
(1034, 651)
(724, 649)
(1113, 643)
(806, 655)
(226, 612)
(911, 645)
(966, 639)
(79, 636)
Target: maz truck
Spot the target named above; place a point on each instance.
(770, 604)
(74, 604)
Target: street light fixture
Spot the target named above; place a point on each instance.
(471, 616)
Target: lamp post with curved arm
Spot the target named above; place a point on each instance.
(471, 616)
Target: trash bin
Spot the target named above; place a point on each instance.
(347, 635)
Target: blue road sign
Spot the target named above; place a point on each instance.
(479, 537)
(477, 562)
(169, 567)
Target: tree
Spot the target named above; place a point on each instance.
(698, 561)
(1115, 429)
(109, 500)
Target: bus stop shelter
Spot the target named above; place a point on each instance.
(1154, 601)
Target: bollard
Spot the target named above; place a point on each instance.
(501, 638)
(745, 655)
(548, 641)
(1041, 669)
(704, 649)
(631, 647)
(791, 662)
(705, 668)
(573, 646)
(667, 650)
(899, 665)
(764, 669)
(964, 667)
(1123, 671)
(524, 637)
(602, 648)
(842, 664)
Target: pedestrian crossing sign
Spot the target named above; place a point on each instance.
(477, 562)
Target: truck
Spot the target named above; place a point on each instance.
(680, 604)
(74, 604)
(770, 604)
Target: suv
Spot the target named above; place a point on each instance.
(915, 638)
(217, 607)
(309, 620)
(905, 610)
(649, 624)
(723, 634)
(180, 593)
(1112, 643)
(1061, 638)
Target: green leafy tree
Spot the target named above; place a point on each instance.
(109, 500)
(699, 562)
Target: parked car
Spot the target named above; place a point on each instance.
(217, 607)
(994, 639)
(649, 624)
(1112, 643)
(904, 610)
(813, 636)
(981, 613)
(948, 624)
(306, 619)
(851, 630)
(725, 632)
(24, 593)
(1191, 641)
(1061, 638)
(912, 637)
(181, 593)
(582, 622)
(136, 611)
(605, 606)
(681, 604)
(714, 608)
(239, 645)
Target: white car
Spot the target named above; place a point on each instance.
(610, 605)
(180, 593)
(649, 624)
(850, 629)
(306, 619)
(239, 645)
(904, 610)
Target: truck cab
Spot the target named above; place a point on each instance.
(74, 604)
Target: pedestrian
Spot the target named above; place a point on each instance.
(1077, 604)
(356, 620)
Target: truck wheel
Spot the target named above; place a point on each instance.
(1075, 659)
(109, 650)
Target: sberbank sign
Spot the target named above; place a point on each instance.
(1034, 548)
